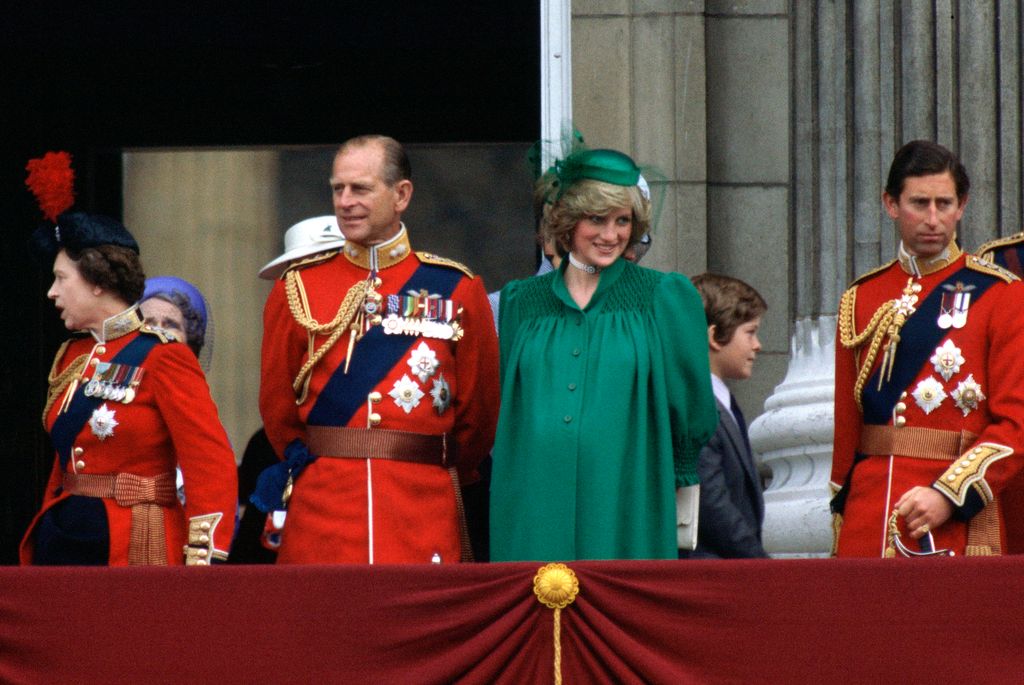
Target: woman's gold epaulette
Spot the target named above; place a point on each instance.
(986, 250)
(309, 261)
(431, 258)
(161, 335)
(975, 263)
(865, 276)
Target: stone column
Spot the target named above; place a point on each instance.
(210, 217)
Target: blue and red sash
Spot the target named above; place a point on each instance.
(375, 355)
(919, 337)
(69, 424)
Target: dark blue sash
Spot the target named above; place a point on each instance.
(375, 355)
(919, 337)
(69, 424)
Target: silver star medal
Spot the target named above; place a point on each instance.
(968, 395)
(406, 393)
(103, 422)
(929, 395)
(423, 362)
(442, 394)
(947, 360)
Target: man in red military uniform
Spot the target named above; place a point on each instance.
(929, 399)
(379, 382)
(1007, 252)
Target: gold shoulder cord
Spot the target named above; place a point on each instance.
(57, 383)
(885, 322)
(338, 326)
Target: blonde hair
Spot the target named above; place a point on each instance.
(589, 197)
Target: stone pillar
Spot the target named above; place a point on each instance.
(210, 217)
(794, 439)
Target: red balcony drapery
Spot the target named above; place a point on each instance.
(655, 622)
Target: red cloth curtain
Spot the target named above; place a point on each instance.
(931, 620)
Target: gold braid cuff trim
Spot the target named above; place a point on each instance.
(983, 532)
(837, 525)
(556, 586)
(338, 326)
(199, 551)
(59, 382)
(969, 469)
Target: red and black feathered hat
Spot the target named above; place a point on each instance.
(51, 179)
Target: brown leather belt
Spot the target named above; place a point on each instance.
(378, 443)
(147, 544)
(922, 443)
(382, 443)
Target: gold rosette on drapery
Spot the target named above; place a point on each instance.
(556, 586)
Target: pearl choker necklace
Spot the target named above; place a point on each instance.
(589, 268)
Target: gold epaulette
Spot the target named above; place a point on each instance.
(864, 276)
(986, 267)
(986, 250)
(430, 258)
(162, 335)
(308, 261)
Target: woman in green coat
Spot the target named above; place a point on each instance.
(605, 390)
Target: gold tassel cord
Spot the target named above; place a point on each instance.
(885, 323)
(347, 312)
(556, 587)
(57, 383)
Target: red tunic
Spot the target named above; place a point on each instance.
(985, 350)
(172, 421)
(379, 511)
(1008, 252)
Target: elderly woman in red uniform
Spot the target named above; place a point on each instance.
(125, 404)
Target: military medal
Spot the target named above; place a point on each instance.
(103, 422)
(422, 314)
(954, 305)
(423, 362)
(968, 395)
(947, 360)
(929, 395)
(406, 393)
(442, 394)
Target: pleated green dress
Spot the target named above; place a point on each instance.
(604, 411)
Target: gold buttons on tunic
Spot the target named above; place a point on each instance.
(100, 349)
(79, 451)
(374, 419)
(901, 407)
(80, 464)
(901, 421)
(375, 396)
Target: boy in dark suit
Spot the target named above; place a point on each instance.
(731, 503)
